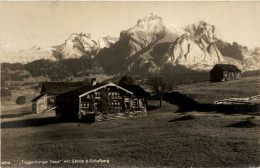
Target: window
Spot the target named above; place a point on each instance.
(84, 105)
(135, 103)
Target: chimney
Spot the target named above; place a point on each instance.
(93, 82)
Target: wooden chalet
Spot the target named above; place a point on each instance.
(85, 102)
(224, 72)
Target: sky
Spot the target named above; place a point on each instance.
(27, 24)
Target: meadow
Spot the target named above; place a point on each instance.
(162, 138)
(208, 92)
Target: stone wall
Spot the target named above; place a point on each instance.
(115, 116)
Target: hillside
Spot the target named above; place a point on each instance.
(208, 92)
(155, 140)
(64, 70)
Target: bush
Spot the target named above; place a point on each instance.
(21, 100)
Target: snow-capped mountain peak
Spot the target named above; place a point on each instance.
(14, 54)
(81, 44)
(153, 23)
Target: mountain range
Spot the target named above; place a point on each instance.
(150, 45)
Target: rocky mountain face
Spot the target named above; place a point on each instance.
(196, 49)
(78, 45)
(234, 50)
(154, 43)
(133, 47)
(252, 60)
(241, 56)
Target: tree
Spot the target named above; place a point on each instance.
(21, 100)
(159, 86)
(105, 102)
(127, 80)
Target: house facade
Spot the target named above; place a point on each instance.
(225, 72)
(90, 100)
(79, 100)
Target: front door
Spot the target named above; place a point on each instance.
(34, 110)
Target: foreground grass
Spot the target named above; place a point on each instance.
(141, 141)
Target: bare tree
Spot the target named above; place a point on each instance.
(159, 85)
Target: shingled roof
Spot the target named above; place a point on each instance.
(91, 88)
(56, 88)
(227, 67)
(136, 89)
(38, 97)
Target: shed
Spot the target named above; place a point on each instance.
(225, 72)
(49, 91)
(39, 104)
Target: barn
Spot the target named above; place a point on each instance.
(224, 72)
(83, 103)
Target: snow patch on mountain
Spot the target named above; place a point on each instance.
(80, 44)
(11, 53)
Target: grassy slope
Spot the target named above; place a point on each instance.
(142, 141)
(208, 92)
(10, 107)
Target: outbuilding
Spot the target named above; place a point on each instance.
(49, 92)
(225, 72)
(39, 104)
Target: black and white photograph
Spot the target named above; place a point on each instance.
(130, 84)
